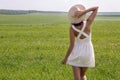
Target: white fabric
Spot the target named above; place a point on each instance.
(82, 54)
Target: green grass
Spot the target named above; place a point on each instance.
(32, 47)
(32, 19)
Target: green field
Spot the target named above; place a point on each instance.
(32, 47)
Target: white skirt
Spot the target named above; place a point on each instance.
(82, 54)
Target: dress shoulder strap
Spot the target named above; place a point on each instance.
(84, 25)
(80, 31)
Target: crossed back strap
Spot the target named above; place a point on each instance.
(81, 32)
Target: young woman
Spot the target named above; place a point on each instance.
(81, 54)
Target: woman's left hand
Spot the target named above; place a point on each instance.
(64, 61)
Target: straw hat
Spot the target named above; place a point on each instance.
(71, 13)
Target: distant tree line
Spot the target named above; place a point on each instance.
(109, 13)
(16, 12)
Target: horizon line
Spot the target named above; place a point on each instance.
(46, 10)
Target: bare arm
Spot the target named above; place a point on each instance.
(72, 39)
(91, 17)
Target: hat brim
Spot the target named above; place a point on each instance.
(71, 14)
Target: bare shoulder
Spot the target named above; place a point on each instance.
(91, 16)
(71, 30)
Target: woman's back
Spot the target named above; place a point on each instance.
(82, 28)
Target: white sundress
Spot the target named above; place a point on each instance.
(82, 54)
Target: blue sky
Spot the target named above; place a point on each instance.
(59, 5)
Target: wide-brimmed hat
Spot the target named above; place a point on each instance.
(71, 13)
